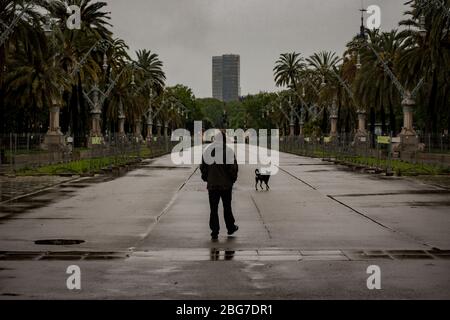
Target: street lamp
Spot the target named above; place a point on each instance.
(358, 61)
(150, 116)
(105, 62)
(422, 25)
(54, 139)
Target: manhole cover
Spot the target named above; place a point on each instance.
(59, 242)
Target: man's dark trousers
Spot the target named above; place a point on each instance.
(214, 198)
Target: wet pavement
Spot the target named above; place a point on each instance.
(145, 235)
(12, 187)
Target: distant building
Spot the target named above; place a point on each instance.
(226, 74)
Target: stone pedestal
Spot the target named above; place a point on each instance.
(122, 135)
(301, 129)
(361, 137)
(96, 136)
(149, 131)
(166, 130)
(291, 129)
(158, 129)
(54, 139)
(333, 119)
(138, 131)
(409, 142)
(150, 121)
(333, 131)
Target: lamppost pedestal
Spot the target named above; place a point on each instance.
(149, 131)
(166, 130)
(96, 136)
(291, 129)
(138, 131)
(333, 131)
(302, 125)
(122, 136)
(158, 128)
(409, 142)
(54, 138)
(334, 120)
(361, 133)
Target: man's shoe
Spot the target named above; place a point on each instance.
(214, 236)
(236, 228)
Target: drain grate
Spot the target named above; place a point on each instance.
(59, 242)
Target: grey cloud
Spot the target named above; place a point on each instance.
(187, 33)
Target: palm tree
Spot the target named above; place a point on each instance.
(426, 46)
(150, 80)
(287, 70)
(152, 67)
(35, 80)
(322, 66)
(374, 88)
(25, 33)
(75, 46)
(94, 22)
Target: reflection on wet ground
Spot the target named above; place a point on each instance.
(229, 254)
(37, 192)
(217, 254)
(11, 187)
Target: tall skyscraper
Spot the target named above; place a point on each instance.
(226, 75)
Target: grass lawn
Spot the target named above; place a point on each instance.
(75, 167)
(90, 165)
(399, 167)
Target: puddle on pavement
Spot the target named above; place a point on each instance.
(429, 204)
(10, 294)
(164, 167)
(45, 197)
(59, 242)
(139, 175)
(394, 193)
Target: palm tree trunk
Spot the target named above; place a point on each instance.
(432, 120)
(383, 120)
(324, 125)
(339, 98)
(83, 113)
(2, 96)
(392, 120)
(347, 123)
(372, 125)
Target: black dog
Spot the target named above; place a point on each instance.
(261, 178)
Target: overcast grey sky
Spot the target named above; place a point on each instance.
(187, 33)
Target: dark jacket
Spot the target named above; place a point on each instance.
(220, 176)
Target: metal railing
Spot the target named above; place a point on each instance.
(19, 152)
(377, 153)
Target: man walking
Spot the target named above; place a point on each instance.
(220, 170)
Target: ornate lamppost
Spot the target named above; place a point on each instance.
(54, 138)
(150, 117)
(408, 137)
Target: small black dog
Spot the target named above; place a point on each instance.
(261, 178)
